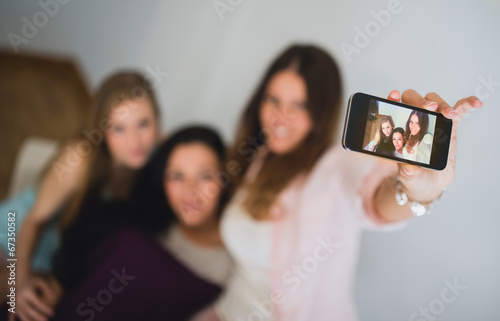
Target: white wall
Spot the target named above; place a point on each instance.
(448, 47)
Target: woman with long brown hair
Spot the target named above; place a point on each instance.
(418, 140)
(300, 201)
(382, 142)
(101, 164)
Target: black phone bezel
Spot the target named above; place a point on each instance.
(356, 118)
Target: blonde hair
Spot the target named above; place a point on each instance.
(119, 88)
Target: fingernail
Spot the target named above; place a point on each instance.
(431, 104)
(406, 170)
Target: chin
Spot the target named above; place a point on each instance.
(136, 164)
(191, 223)
(280, 148)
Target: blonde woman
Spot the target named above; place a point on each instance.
(121, 135)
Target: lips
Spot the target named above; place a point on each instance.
(190, 207)
(137, 153)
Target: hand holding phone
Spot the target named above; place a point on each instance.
(419, 184)
(397, 131)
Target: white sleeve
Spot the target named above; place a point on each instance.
(370, 147)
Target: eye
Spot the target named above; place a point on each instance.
(175, 176)
(301, 105)
(270, 100)
(206, 177)
(117, 129)
(144, 123)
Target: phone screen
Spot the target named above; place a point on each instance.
(397, 131)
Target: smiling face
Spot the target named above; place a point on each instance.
(386, 128)
(414, 125)
(190, 185)
(283, 114)
(132, 132)
(397, 140)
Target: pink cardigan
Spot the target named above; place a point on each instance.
(317, 232)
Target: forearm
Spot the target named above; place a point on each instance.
(28, 236)
(386, 207)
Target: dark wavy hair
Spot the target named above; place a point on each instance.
(401, 131)
(149, 194)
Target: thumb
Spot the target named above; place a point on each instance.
(407, 170)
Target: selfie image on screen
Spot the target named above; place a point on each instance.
(399, 132)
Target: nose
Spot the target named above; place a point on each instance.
(133, 138)
(281, 116)
(279, 119)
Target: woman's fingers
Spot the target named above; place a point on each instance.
(44, 287)
(394, 95)
(443, 106)
(28, 310)
(37, 309)
(411, 97)
(466, 104)
(30, 305)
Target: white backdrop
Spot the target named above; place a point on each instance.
(208, 64)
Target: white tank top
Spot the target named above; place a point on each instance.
(249, 242)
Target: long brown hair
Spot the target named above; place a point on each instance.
(323, 83)
(115, 90)
(384, 120)
(423, 121)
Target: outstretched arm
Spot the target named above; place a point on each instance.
(420, 184)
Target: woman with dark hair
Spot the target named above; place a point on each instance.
(98, 166)
(418, 140)
(299, 202)
(397, 138)
(171, 255)
(382, 143)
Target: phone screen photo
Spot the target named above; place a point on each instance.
(397, 131)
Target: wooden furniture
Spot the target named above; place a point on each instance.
(39, 96)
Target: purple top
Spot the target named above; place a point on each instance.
(131, 277)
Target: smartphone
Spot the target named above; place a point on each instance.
(396, 131)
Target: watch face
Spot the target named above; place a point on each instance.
(418, 209)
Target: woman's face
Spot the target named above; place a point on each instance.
(397, 140)
(132, 132)
(414, 125)
(283, 113)
(190, 183)
(387, 128)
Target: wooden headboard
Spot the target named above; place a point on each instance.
(39, 96)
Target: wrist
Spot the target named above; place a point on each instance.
(22, 274)
(417, 207)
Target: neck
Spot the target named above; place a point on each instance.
(120, 180)
(206, 234)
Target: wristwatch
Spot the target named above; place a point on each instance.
(417, 208)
